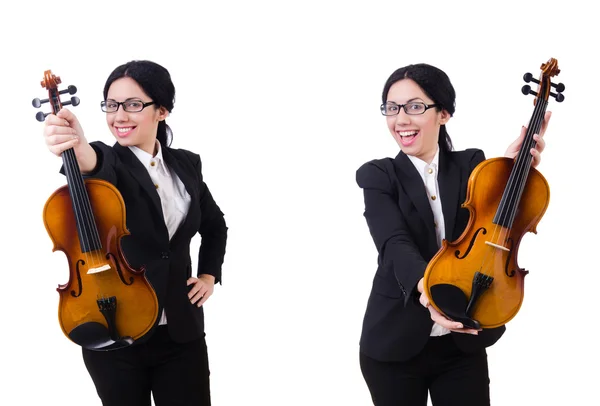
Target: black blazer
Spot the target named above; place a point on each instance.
(396, 326)
(167, 263)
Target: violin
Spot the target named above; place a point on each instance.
(476, 280)
(105, 304)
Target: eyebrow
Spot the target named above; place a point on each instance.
(129, 99)
(410, 100)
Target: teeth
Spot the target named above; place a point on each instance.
(124, 129)
(407, 133)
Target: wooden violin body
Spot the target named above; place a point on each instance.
(476, 280)
(81, 318)
(105, 304)
(450, 273)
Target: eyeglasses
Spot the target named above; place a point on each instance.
(130, 106)
(412, 108)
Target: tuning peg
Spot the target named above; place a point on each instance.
(40, 116)
(37, 102)
(74, 102)
(528, 77)
(70, 89)
(558, 96)
(527, 90)
(559, 88)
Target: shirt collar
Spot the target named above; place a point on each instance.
(145, 158)
(422, 166)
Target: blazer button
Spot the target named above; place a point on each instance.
(164, 255)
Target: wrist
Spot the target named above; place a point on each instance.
(207, 277)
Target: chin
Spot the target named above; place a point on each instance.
(124, 142)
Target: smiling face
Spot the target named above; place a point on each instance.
(417, 135)
(134, 129)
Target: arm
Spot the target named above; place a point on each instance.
(213, 231)
(394, 243)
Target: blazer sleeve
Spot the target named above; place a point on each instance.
(396, 248)
(213, 230)
(105, 163)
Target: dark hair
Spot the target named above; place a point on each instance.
(436, 84)
(156, 83)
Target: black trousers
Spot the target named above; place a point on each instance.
(450, 376)
(175, 374)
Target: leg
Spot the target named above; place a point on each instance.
(120, 377)
(461, 378)
(181, 374)
(395, 383)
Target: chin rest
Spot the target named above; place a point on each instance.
(95, 336)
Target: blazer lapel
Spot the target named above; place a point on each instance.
(188, 180)
(412, 184)
(185, 177)
(141, 175)
(449, 181)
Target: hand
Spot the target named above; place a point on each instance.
(201, 290)
(513, 149)
(438, 318)
(63, 131)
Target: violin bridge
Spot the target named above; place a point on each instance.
(493, 245)
(98, 269)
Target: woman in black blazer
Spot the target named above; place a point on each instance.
(412, 202)
(167, 203)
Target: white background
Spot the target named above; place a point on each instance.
(281, 100)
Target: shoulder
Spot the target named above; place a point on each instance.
(185, 155)
(375, 174)
(102, 147)
(105, 154)
(470, 157)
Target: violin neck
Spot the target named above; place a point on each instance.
(89, 238)
(511, 197)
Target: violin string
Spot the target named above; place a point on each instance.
(529, 143)
(508, 207)
(73, 190)
(524, 165)
(89, 219)
(83, 209)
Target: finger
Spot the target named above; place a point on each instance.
(193, 289)
(191, 280)
(536, 157)
(53, 120)
(198, 295)
(59, 135)
(540, 142)
(204, 298)
(66, 114)
(443, 321)
(466, 331)
(545, 122)
(58, 149)
(424, 300)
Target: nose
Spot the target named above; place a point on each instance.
(402, 118)
(121, 114)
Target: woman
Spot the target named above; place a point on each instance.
(407, 348)
(167, 203)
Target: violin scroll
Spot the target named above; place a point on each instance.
(549, 69)
(51, 82)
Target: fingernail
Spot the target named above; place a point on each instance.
(66, 123)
